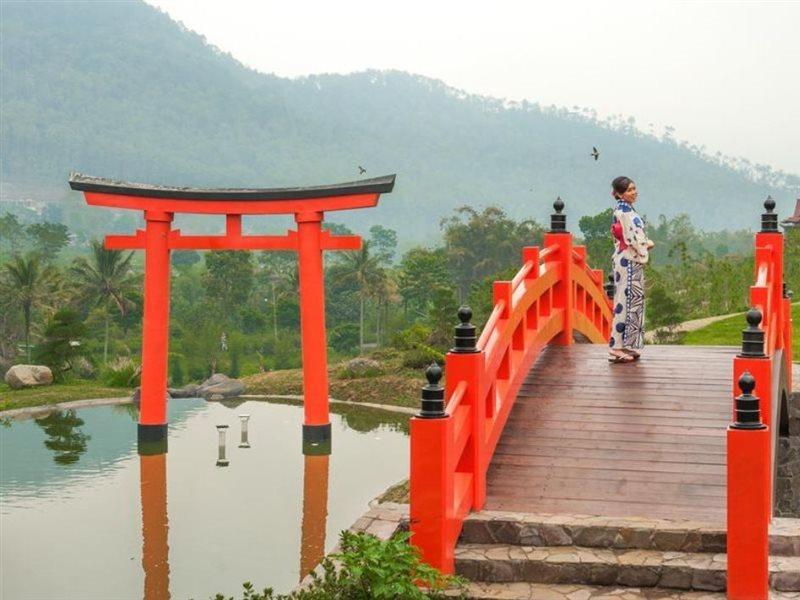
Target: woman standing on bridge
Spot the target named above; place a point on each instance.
(631, 251)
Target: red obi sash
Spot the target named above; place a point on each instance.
(616, 231)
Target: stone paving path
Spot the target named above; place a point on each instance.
(539, 591)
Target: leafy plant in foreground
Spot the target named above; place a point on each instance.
(367, 568)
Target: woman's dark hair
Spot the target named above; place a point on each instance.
(620, 185)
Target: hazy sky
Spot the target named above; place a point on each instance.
(725, 74)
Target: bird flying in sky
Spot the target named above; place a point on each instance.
(595, 153)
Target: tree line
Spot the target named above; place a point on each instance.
(238, 312)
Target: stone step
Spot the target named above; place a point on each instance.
(497, 527)
(547, 591)
(504, 563)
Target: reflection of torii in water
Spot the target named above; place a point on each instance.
(155, 525)
(315, 511)
(155, 519)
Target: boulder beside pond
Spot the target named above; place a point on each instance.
(22, 376)
(222, 385)
(362, 367)
(216, 387)
(187, 391)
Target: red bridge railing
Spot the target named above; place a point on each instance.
(762, 375)
(454, 438)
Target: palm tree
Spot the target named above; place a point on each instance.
(281, 274)
(30, 280)
(366, 272)
(106, 280)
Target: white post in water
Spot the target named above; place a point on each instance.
(245, 443)
(221, 460)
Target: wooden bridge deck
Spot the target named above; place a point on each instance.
(644, 439)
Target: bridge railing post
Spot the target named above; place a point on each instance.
(465, 363)
(430, 482)
(563, 291)
(787, 333)
(753, 360)
(748, 471)
(769, 241)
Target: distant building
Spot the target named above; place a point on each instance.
(794, 220)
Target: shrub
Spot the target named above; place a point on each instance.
(343, 338)
(421, 356)
(62, 342)
(176, 374)
(411, 337)
(368, 568)
(123, 372)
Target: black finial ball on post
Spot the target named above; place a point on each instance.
(465, 338)
(558, 221)
(433, 394)
(753, 335)
(609, 286)
(748, 412)
(769, 219)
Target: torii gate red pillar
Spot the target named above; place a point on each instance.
(160, 203)
(317, 427)
(155, 327)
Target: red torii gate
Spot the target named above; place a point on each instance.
(160, 203)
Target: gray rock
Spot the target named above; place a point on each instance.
(362, 367)
(222, 385)
(22, 376)
(188, 391)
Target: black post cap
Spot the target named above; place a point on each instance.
(748, 412)
(466, 336)
(769, 219)
(753, 336)
(609, 286)
(558, 222)
(433, 394)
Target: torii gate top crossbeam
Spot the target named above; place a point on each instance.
(231, 201)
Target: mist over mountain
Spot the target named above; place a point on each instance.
(120, 90)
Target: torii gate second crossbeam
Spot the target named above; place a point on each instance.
(159, 204)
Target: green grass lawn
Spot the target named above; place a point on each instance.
(58, 392)
(728, 332)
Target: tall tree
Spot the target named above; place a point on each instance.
(12, 234)
(363, 269)
(106, 280)
(478, 244)
(422, 272)
(384, 243)
(229, 279)
(29, 279)
(597, 238)
(278, 270)
(48, 238)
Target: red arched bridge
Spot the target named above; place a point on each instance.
(531, 423)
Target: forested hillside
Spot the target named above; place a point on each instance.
(120, 90)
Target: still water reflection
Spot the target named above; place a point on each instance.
(84, 516)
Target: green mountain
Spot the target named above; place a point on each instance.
(118, 89)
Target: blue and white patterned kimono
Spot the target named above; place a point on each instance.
(627, 328)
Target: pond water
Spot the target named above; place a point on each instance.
(83, 516)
